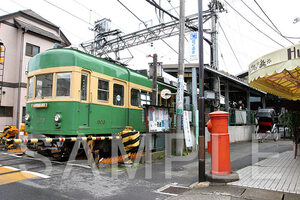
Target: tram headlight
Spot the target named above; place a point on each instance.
(57, 118)
(27, 117)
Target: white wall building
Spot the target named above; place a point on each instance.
(24, 34)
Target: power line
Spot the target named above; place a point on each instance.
(276, 29)
(273, 23)
(68, 12)
(99, 15)
(18, 4)
(231, 47)
(146, 26)
(71, 32)
(252, 24)
(3, 10)
(267, 16)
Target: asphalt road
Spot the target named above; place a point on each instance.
(76, 180)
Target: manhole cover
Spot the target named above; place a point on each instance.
(173, 190)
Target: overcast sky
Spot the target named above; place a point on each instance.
(247, 42)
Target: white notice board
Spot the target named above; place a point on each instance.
(187, 129)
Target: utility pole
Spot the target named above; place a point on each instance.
(215, 63)
(154, 80)
(201, 138)
(180, 85)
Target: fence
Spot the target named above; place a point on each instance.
(241, 117)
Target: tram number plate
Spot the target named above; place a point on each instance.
(101, 122)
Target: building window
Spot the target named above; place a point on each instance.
(31, 50)
(43, 88)
(103, 90)
(6, 111)
(118, 95)
(30, 88)
(63, 84)
(135, 97)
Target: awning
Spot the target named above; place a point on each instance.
(278, 73)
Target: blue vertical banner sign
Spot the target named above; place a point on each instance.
(193, 46)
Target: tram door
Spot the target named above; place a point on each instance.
(119, 110)
(84, 107)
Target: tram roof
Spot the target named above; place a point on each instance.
(72, 57)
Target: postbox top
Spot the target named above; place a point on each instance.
(219, 114)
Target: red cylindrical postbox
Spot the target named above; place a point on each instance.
(220, 147)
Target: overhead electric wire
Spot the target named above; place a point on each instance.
(99, 15)
(71, 32)
(68, 12)
(147, 27)
(18, 4)
(252, 24)
(274, 29)
(267, 16)
(122, 29)
(3, 10)
(273, 23)
(231, 47)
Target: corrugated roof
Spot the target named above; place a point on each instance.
(37, 16)
(31, 15)
(35, 29)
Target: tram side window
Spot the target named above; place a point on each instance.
(103, 90)
(83, 93)
(44, 84)
(118, 95)
(63, 84)
(30, 88)
(135, 97)
(145, 98)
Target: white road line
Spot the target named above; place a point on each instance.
(30, 172)
(12, 168)
(37, 174)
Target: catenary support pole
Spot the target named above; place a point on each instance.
(215, 62)
(180, 85)
(201, 138)
(194, 100)
(154, 81)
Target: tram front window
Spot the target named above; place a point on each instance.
(63, 83)
(44, 84)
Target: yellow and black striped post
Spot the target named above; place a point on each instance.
(131, 141)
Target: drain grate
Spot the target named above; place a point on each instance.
(173, 190)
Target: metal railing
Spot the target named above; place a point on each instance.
(241, 117)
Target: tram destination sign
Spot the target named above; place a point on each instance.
(39, 105)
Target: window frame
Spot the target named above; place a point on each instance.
(139, 97)
(70, 88)
(103, 90)
(11, 113)
(148, 94)
(86, 89)
(122, 97)
(31, 46)
(35, 86)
